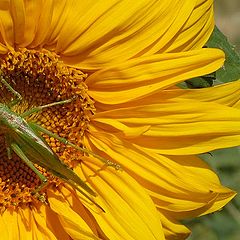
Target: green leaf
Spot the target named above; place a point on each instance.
(229, 72)
(231, 69)
(201, 82)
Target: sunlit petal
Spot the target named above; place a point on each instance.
(180, 187)
(143, 76)
(126, 205)
(167, 122)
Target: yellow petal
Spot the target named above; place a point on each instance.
(172, 229)
(196, 30)
(3, 48)
(129, 211)
(34, 224)
(227, 94)
(143, 76)
(176, 126)
(32, 23)
(18, 23)
(26, 27)
(26, 223)
(9, 225)
(72, 222)
(107, 29)
(6, 26)
(183, 186)
(61, 11)
(124, 30)
(47, 224)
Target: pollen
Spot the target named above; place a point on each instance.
(41, 78)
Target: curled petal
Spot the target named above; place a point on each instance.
(182, 186)
(173, 229)
(143, 76)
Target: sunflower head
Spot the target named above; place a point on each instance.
(125, 107)
(41, 78)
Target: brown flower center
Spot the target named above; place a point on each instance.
(41, 78)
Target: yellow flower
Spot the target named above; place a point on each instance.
(120, 61)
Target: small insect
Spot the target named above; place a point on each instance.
(24, 139)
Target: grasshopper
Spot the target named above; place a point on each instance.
(24, 139)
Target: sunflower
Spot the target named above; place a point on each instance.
(119, 61)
